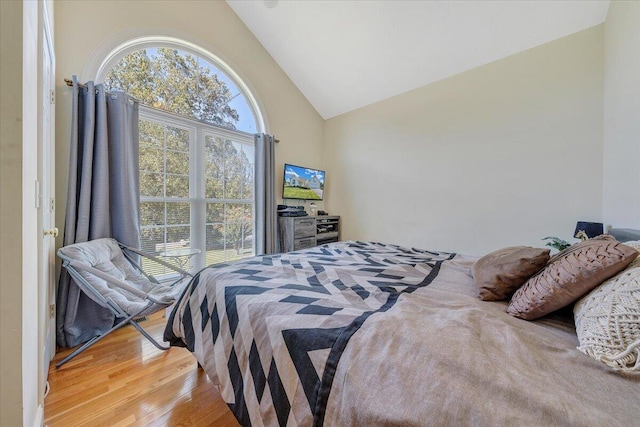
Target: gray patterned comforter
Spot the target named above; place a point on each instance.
(359, 333)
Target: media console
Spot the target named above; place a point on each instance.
(297, 233)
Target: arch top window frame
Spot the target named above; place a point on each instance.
(200, 229)
(139, 43)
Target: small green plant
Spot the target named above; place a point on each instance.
(557, 243)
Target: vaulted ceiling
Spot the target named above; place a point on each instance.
(343, 55)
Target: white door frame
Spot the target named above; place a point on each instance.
(46, 199)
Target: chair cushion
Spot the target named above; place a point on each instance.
(105, 255)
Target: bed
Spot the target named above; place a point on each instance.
(368, 334)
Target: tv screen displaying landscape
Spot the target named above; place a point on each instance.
(302, 183)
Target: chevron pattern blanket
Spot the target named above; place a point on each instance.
(271, 330)
(368, 334)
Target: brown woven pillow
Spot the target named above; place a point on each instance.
(569, 275)
(498, 274)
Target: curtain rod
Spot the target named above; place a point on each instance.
(69, 82)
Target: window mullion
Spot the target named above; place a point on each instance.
(165, 231)
(196, 193)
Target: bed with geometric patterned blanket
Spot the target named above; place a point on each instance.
(362, 333)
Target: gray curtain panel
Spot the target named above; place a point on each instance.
(265, 191)
(102, 197)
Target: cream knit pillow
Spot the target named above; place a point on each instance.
(608, 319)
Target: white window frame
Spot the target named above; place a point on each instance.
(111, 53)
(197, 132)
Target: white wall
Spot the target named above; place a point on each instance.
(10, 218)
(622, 115)
(84, 29)
(18, 216)
(504, 154)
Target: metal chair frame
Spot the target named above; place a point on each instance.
(74, 268)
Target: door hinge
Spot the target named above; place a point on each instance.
(52, 204)
(52, 310)
(53, 96)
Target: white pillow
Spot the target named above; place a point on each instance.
(608, 319)
(634, 244)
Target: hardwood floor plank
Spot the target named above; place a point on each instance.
(125, 381)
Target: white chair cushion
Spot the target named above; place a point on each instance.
(105, 255)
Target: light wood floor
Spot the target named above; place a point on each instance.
(125, 381)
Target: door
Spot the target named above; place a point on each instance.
(46, 203)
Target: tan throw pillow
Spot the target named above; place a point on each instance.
(608, 321)
(569, 275)
(498, 274)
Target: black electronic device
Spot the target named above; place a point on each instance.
(295, 213)
(322, 213)
(284, 210)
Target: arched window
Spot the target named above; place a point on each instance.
(196, 152)
(184, 83)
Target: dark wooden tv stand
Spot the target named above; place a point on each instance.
(304, 232)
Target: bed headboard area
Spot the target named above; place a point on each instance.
(625, 234)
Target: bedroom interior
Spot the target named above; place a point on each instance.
(502, 153)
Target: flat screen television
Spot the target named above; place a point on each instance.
(302, 183)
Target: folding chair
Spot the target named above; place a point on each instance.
(109, 273)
